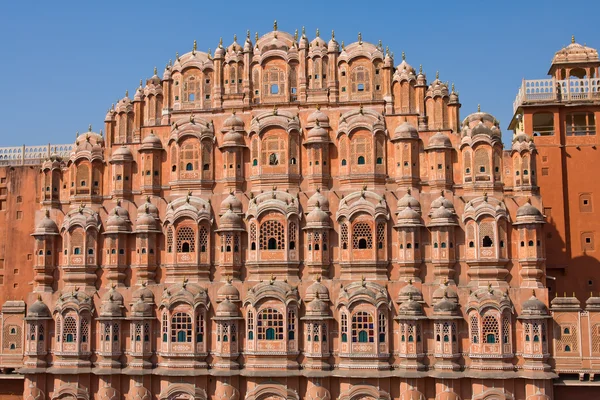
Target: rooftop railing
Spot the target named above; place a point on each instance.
(554, 90)
(33, 155)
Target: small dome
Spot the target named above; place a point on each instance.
(408, 201)
(317, 218)
(139, 392)
(317, 307)
(120, 211)
(408, 217)
(227, 309)
(319, 117)
(146, 222)
(442, 201)
(333, 46)
(317, 290)
(409, 292)
(575, 52)
(115, 223)
(318, 132)
(220, 51)
(141, 308)
(148, 207)
(46, 226)
(439, 141)
(442, 212)
(318, 392)
(228, 291)
(406, 131)
(411, 307)
(122, 154)
(527, 210)
(592, 303)
(445, 305)
(233, 122)
(412, 394)
(112, 304)
(39, 309)
(231, 202)
(151, 142)
(230, 221)
(534, 304)
(320, 198)
(233, 139)
(227, 392)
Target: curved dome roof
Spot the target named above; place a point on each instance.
(406, 130)
(320, 198)
(574, 53)
(317, 290)
(47, 226)
(231, 202)
(439, 141)
(319, 117)
(151, 142)
(317, 218)
(233, 122)
(39, 309)
(408, 201)
(228, 291)
(122, 154)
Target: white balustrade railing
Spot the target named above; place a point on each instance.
(553, 90)
(33, 155)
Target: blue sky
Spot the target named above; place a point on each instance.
(64, 63)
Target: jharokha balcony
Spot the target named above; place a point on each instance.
(559, 91)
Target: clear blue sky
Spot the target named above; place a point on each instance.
(64, 63)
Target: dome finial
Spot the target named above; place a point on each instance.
(303, 32)
(420, 68)
(379, 44)
(332, 34)
(572, 38)
(141, 85)
(220, 42)
(275, 25)
(155, 71)
(437, 74)
(195, 47)
(177, 55)
(296, 35)
(403, 56)
(248, 34)
(256, 36)
(359, 38)
(89, 127)
(387, 51)
(318, 32)
(126, 93)
(452, 87)
(478, 107)
(234, 38)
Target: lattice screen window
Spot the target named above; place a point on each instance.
(165, 326)
(203, 239)
(250, 320)
(343, 149)
(273, 151)
(91, 241)
(474, 325)
(380, 235)
(200, 327)
(190, 155)
(70, 330)
(362, 237)
(12, 337)
(362, 151)
(382, 327)
(147, 332)
(486, 234)
(106, 335)
(292, 235)
(32, 331)
(138, 333)
(253, 235)
(482, 161)
(363, 329)
(467, 162)
(83, 176)
(272, 235)
(291, 324)
(567, 339)
(186, 240)
(76, 239)
(379, 149)
(344, 235)
(192, 89)
(344, 327)
(359, 80)
(596, 339)
(115, 332)
(181, 328)
(58, 332)
(527, 331)
(270, 325)
(273, 81)
(254, 152)
(490, 329)
(85, 330)
(506, 329)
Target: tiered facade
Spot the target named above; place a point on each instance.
(287, 219)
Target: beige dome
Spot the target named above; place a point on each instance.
(574, 53)
(439, 141)
(122, 154)
(406, 131)
(320, 198)
(151, 142)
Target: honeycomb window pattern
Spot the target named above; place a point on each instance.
(186, 240)
(70, 330)
(272, 235)
(362, 238)
(203, 239)
(474, 329)
(490, 329)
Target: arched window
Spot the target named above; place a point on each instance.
(189, 167)
(490, 329)
(272, 235)
(344, 326)
(362, 237)
(382, 327)
(270, 324)
(70, 330)
(250, 325)
(361, 160)
(186, 240)
(363, 329)
(486, 241)
(343, 162)
(181, 328)
(474, 325)
(200, 327)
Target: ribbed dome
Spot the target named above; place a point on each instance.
(411, 307)
(122, 154)
(112, 304)
(151, 142)
(575, 52)
(148, 207)
(115, 223)
(146, 222)
(442, 212)
(227, 309)
(317, 218)
(317, 307)
(231, 202)
(233, 122)
(409, 292)
(39, 309)
(406, 131)
(233, 139)
(442, 201)
(319, 117)
(141, 308)
(228, 291)
(320, 198)
(408, 216)
(527, 210)
(445, 305)
(46, 226)
(317, 289)
(408, 201)
(230, 221)
(533, 305)
(318, 132)
(438, 141)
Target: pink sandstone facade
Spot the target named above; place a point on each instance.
(286, 219)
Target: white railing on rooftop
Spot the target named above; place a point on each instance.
(33, 155)
(554, 90)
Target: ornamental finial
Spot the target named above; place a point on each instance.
(403, 56)
(572, 38)
(141, 85)
(195, 47)
(303, 32)
(234, 38)
(248, 34)
(318, 32)
(155, 71)
(275, 25)
(296, 35)
(220, 42)
(478, 107)
(420, 68)
(437, 74)
(359, 38)
(332, 34)
(256, 36)
(89, 127)
(126, 93)
(379, 44)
